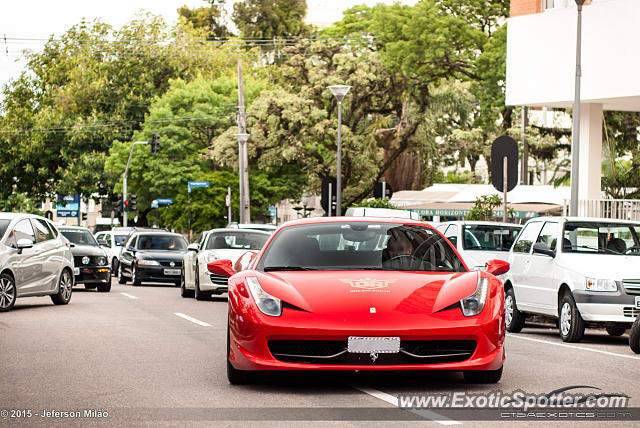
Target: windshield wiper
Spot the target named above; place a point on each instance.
(284, 268)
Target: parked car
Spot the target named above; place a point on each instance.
(152, 256)
(578, 270)
(360, 293)
(212, 245)
(91, 264)
(480, 241)
(111, 241)
(35, 260)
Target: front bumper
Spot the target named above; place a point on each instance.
(159, 274)
(213, 283)
(606, 306)
(93, 275)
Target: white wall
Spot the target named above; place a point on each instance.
(541, 56)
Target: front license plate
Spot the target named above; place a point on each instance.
(172, 271)
(76, 271)
(378, 345)
(638, 302)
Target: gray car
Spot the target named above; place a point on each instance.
(35, 260)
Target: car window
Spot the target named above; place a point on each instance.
(489, 237)
(107, 237)
(162, 243)
(43, 233)
(452, 235)
(119, 239)
(601, 237)
(442, 228)
(132, 241)
(53, 229)
(23, 230)
(527, 237)
(240, 240)
(79, 237)
(3, 227)
(549, 235)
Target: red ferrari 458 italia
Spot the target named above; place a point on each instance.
(356, 293)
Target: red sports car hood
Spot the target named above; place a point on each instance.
(343, 292)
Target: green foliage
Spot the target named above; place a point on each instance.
(375, 203)
(267, 19)
(461, 177)
(211, 19)
(20, 203)
(484, 207)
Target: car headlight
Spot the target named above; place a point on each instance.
(593, 284)
(473, 304)
(211, 257)
(267, 304)
(85, 260)
(143, 262)
(102, 261)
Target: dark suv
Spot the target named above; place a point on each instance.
(152, 256)
(91, 265)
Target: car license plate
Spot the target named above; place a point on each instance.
(76, 271)
(638, 302)
(172, 271)
(378, 345)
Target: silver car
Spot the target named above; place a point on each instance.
(35, 260)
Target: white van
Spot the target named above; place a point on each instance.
(381, 212)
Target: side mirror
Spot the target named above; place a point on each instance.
(497, 267)
(103, 242)
(193, 247)
(221, 267)
(542, 248)
(24, 243)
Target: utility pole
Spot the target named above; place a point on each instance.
(242, 151)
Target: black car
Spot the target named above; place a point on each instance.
(91, 264)
(152, 256)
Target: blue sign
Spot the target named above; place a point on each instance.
(198, 184)
(70, 207)
(154, 203)
(165, 201)
(273, 210)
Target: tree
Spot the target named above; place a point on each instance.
(484, 207)
(211, 19)
(268, 19)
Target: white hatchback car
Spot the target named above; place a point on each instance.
(478, 242)
(114, 242)
(212, 245)
(578, 270)
(35, 260)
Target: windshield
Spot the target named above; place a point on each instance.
(606, 238)
(489, 237)
(79, 237)
(3, 227)
(162, 242)
(237, 241)
(119, 239)
(358, 246)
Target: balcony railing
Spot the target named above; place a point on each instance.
(622, 209)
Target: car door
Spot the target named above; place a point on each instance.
(520, 264)
(24, 264)
(541, 271)
(49, 254)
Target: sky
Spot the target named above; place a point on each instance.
(39, 19)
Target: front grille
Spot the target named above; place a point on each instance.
(630, 311)
(631, 286)
(219, 279)
(335, 352)
(177, 264)
(93, 261)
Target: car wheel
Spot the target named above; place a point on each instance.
(121, 278)
(135, 277)
(483, 376)
(114, 266)
(615, 330)
(183, 286)
(65, 284)
(571, 323)
(513, 318)
(235, 376)
(7, 292)
(634, 336)
(104, 288)
(197, 292)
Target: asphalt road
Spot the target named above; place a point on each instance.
(144, 356)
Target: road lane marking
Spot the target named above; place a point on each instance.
(193, 320)
(574, 347)
(388, 398)
(129, 295)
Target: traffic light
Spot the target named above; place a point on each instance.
(329, 186)
(133, 202)
(377, 191)
(155, 143)
(117, 204)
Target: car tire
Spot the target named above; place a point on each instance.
(483, 376)
(65, 286)
(104, 288)
(615, 331)
(183, 286)
(199, 294)
(7, 292)
(513, 318)
(135, 277)
(114, 266)
(121, 278)
(235, 376)
(571, 324)
(634, 336)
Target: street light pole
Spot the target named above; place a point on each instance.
(575, 135)
(244, 177)
(339, 91)
(124, 183)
